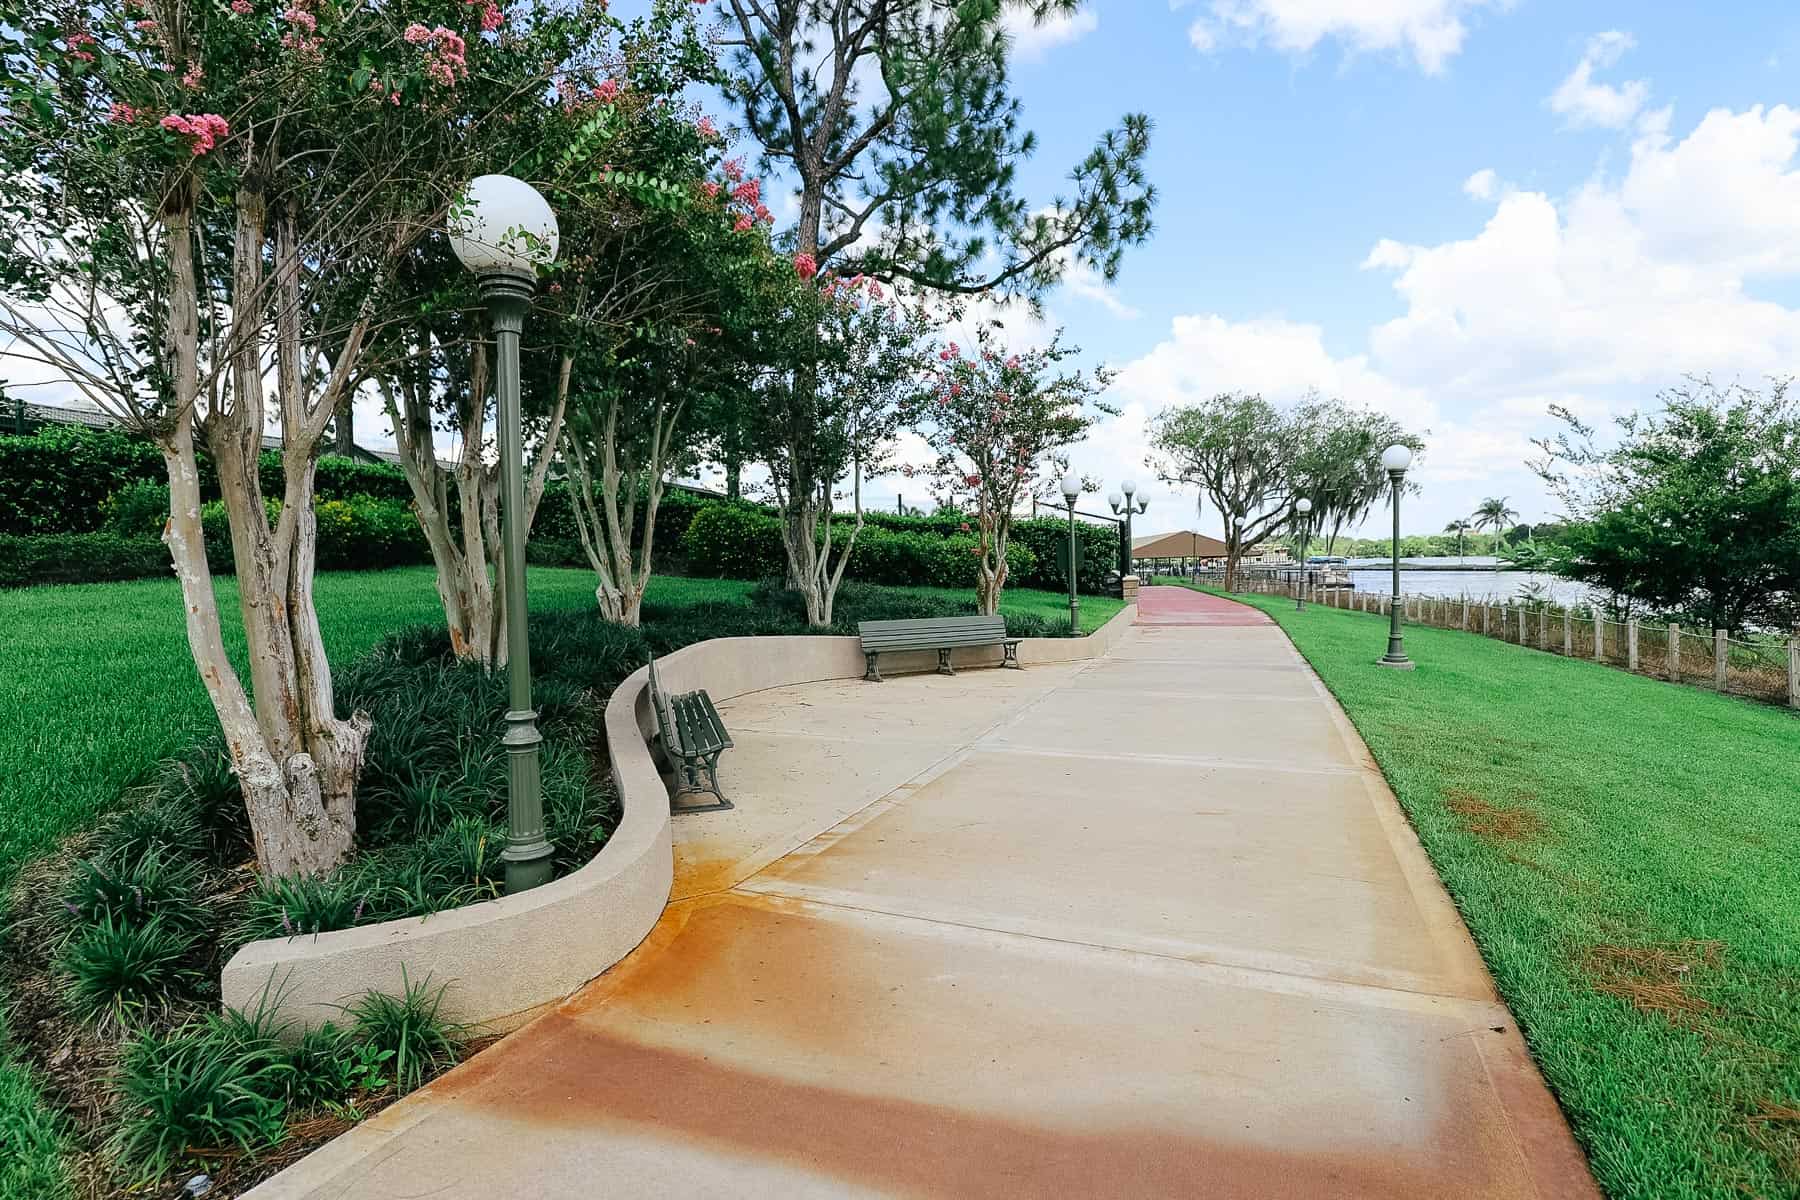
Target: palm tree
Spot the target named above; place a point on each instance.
(1461, 529)
(1494, 514)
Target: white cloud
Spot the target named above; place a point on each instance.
(1431, 31)
(1582, 102)
(1482, 184)
(1595, 300)
(1032, 40)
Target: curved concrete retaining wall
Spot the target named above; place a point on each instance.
(501, 961)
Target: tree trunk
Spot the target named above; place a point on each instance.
(296, 762)
(617, 543)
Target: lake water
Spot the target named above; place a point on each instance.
(1425, 577)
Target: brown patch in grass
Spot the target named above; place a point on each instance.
(1775, 1129)
(1656, 978)
(1490, 823)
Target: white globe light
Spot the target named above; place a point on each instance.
(1128, 486)
(502, 224)
(1397, 457)
(1114, 499)
(1143, 502)
(1071, 488)
(1303, 506)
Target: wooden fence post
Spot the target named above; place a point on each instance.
(1544, 628)
(1794, 672)
(1599, 638)
(1631, 643)
(1675, 653)
(1721, 655)
(1568, 634)
(1465, 615)
(1487, 613)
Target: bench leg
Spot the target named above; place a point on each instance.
(873, 674)
(944, 667)
(1011, 650)
(703, 776)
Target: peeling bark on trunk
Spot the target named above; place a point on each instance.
(297, 763)
(806, 534)
(608, 469)
(464, 537)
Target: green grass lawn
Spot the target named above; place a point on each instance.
(1627, 855)
(97, 686)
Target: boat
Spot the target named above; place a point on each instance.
(1329, 571)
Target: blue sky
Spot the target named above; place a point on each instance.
(1456, 211)
(1577, 202)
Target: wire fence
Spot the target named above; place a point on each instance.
(1761, 667)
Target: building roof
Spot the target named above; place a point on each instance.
(1183, 544)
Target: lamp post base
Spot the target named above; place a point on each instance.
(1074, 616)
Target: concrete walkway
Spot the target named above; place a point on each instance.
(1146, 926)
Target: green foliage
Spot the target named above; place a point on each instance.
(734, 541)
(118, 968)
(133, 889)
(138, 509)
(31, 1137)
(217, 1080)
(79, 558)
(76, 479)
(1696, 509)
(407, 1031)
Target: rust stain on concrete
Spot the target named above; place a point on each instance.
(589, 1077)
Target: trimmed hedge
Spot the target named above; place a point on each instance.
(59, 480)
(742, 541)
(79, 558)
(358, 534)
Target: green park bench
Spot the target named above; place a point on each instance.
(942, 634)
(692, 737)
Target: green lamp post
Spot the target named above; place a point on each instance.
(503, 230)
(1302, 509)
(1071, 488)
(1396, 459)
(1125, 506)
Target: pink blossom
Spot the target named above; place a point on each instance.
(122, 113)
(733, 168)
(749, 191)
(875, 290)
(608, 91)
(954, 350)
(205, 128)
(964, 527)
(242, 8)
(555, 289)
(972, 480)
(144, 26)
(301, 19)
(711, 188)
(77, 39)
(416, 34)
(805, 266)
(943, 356)
(956, 389)
(491, 17)
(764, 215)
(1012, 364)
(743, 224)
(705, 128)
(194, 77)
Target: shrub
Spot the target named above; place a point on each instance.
(117, 966)
(218, 1080)
(153, 822)
(734, 541)
(138, 509)
(410, 1028)
(79, 558)
(136, 889)
(56, 482)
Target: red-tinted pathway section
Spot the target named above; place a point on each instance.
(1182, 606)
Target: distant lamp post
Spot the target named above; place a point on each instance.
(502, 230)
(1071, 488)
(1303, 509)
(1125, 506)
(1396, 459)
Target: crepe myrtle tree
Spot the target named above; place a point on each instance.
(997, 421)
(617, 154)
(848, 360)
(206, 206)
